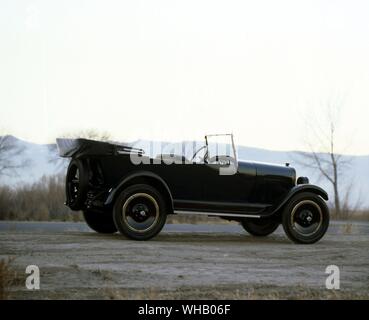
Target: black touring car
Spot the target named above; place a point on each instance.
(119, 187)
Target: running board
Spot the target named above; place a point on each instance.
(221, 214)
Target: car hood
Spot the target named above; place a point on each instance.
(262, 169)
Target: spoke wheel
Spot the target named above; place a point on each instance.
(305, 219)
(140, 212)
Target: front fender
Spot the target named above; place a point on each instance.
(302, 188)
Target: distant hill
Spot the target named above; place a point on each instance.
(42, 160)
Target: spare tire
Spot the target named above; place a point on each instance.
(76, 184)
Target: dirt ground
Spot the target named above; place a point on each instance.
(184, 261)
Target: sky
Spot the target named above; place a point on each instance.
(176, 70)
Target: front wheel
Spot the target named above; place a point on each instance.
(305, 219)
(140, 212)
(259, 227)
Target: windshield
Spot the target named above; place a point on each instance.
(220, 145)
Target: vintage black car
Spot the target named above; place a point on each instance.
(119, 187)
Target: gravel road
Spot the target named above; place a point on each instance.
(217, 261)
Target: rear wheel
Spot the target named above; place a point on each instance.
(260, 227)
(140, 212)
(101, 222)
(305, 219)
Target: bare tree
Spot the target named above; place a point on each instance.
(324, 156)
(10, 152)
(92, 134)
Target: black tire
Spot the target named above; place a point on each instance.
(305, 218)
(140, 212)
(101, 222)
(76, 184)
(260, 227)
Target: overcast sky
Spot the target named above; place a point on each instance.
(175, 70)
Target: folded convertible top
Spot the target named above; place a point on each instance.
(76, 147)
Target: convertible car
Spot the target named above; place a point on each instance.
(120, 188)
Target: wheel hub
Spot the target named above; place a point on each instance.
(306, 217)
(140, 212)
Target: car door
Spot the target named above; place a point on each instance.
(185, 181)
(229, 192)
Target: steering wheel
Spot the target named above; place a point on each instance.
(195, 154)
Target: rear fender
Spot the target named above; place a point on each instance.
(140, 174)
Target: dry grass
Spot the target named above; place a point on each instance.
(242, 292)
(361, 215)
(41, 201)
(357, 215)
(7, 277)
